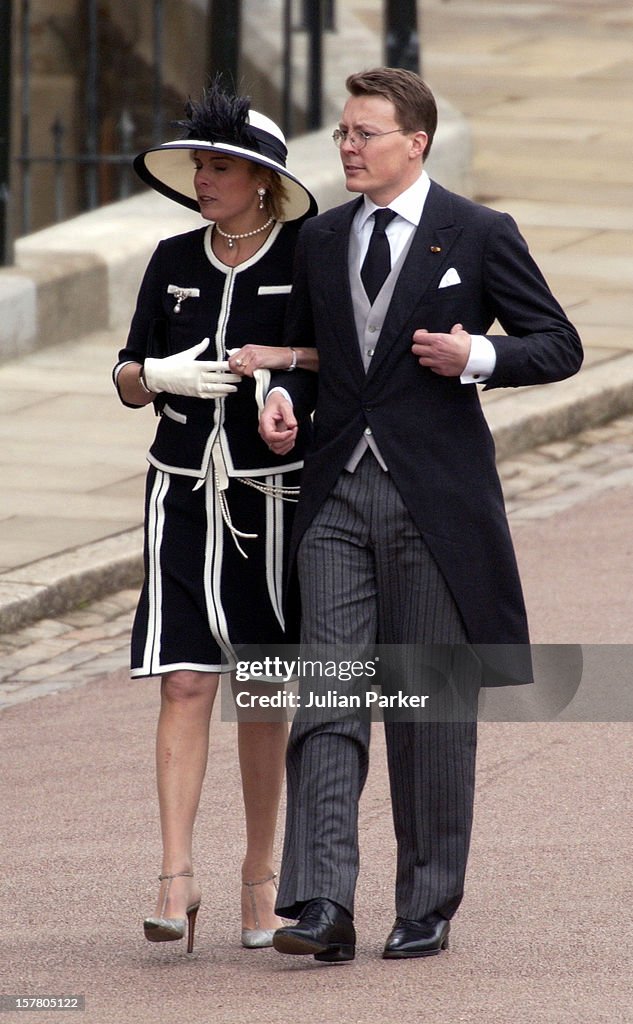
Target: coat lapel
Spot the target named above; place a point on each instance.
(423, 267)
(333, 273)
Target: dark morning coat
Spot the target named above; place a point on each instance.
(430, 429)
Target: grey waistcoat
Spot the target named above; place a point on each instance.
(368, 321)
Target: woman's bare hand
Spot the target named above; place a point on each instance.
(249, 358)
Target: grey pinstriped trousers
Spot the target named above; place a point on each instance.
(367, 575)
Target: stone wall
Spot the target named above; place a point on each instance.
(58, 64)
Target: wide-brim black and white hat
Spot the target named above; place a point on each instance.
(235, 131)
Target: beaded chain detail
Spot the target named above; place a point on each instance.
(277, 491)
(274, 490)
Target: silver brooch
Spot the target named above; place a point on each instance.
(182, 294)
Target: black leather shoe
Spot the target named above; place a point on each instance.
(324, 930)
(416, 938)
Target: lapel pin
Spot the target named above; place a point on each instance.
(436, 248)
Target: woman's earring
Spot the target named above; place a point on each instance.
(261, 192)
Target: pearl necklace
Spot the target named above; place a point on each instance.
(231, 239)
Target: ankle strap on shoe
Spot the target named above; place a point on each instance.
(177, 874)
(260, 881)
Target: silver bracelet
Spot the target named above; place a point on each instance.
(141, 380)
(293, 365)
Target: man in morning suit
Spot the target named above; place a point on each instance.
(401, 535)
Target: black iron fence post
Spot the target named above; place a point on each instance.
(402, 44)
(58, 132)
(6, 240)
(225, 40)
(314, 25)
(158, 34)
(286, 89)
(25, 114)
(92, 106)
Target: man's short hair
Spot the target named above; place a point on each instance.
(416, 109)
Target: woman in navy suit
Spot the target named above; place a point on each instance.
(216, 520)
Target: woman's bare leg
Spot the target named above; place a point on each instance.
(182, 748)
(262, 752)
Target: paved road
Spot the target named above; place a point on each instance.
(544, 933)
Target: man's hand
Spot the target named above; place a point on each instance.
(446, 354)
(277, 424)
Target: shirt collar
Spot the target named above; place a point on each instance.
(409, 204)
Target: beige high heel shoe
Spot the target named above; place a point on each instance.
(258, 937)
(169, 929)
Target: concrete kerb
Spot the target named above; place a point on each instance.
(49, 587)
(596, 395)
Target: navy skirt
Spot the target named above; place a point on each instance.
(202, 597)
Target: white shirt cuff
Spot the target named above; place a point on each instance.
(481, 362)
(282, 391)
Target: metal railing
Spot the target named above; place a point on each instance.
(92, 158)
(6, 236)
(312, 17)
(223, 54)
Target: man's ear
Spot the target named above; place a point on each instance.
(419, 142)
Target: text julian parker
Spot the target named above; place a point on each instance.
(331, 699)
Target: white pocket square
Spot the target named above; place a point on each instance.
(450, 277)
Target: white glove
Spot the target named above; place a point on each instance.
(183, 374)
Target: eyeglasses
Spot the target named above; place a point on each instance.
(357, 138)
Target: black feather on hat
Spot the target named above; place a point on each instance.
(217, 117)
